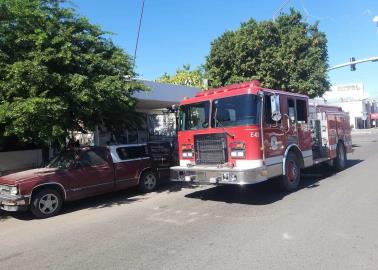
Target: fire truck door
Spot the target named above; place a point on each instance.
(292, 134)
(304, 133)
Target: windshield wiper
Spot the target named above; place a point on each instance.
(218, 123)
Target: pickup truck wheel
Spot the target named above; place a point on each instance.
(46, 203)
(147, 182)
(290, 181)
(340, 161)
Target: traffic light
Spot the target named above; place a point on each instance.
(353, 66)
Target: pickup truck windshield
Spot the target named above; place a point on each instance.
(62, 161)
(236, 111)
(194, 116)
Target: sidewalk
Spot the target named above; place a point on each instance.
(365, 131)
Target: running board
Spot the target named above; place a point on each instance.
(321, 160)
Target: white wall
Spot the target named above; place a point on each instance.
(356, 110)
(20, 160)
(353, 91)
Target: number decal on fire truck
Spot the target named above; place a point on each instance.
(254, 134)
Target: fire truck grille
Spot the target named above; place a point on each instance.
(211, 148)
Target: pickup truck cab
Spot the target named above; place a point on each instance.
(79, 173)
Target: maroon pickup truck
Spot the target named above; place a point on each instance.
(79, 173)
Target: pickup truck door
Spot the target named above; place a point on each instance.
(94, 174)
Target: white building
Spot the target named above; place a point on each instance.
(158, 123)
(353, 99)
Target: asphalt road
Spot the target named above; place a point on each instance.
(330, 223)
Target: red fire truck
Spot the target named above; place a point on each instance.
(245, 134)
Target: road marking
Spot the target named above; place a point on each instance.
(176, 216)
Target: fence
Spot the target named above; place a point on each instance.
(20, 160)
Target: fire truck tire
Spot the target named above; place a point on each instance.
(339, 162)
(290, 181)
(147, 181)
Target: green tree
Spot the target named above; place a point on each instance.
(59, 72)
(185, 76)
(287, 54)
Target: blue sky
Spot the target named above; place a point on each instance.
(177, 32)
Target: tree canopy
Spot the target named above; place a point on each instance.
(287, 54)
(59, 73)
(185, 76)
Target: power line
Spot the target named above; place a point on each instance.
(137, 41)
(279, 9)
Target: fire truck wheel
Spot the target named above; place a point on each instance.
(147, 181)
(290, 181)
(340, 161)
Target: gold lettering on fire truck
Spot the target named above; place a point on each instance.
(273, 143)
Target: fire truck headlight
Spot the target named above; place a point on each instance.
(238, 153)
(237, 150)
(187, 154)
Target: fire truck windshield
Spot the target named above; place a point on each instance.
(236, 111)
(194, 116)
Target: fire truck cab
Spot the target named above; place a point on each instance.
(245, 134)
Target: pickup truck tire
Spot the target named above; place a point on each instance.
(147, 181)
(290, 181)
(339, 162)
(46, 203)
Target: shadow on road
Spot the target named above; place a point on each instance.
(267, 192)
(259, 194)
(118, 198)
(4, 216)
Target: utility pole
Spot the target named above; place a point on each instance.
(137, 41)
(353, 62)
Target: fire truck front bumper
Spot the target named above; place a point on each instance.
(215, 175)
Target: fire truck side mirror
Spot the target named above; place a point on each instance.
(275, 106)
